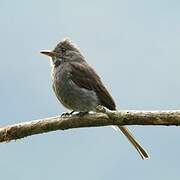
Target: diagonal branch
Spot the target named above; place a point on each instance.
(103, 117)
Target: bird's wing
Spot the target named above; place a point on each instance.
(84, 76)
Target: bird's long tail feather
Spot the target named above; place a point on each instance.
(133, 141)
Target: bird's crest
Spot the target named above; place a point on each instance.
(66, 44)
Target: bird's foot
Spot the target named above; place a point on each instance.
(82, 113)
(66, 114)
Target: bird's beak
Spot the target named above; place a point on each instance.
(49, 53)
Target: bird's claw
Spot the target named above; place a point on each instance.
(82, 113)
(66, 114)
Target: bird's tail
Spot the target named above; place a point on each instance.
(133, 141)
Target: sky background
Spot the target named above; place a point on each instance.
(133, 45)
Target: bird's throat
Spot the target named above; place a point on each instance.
(57, 63)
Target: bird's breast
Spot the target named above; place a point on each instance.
(70, 94)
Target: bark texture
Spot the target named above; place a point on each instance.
(103, 117)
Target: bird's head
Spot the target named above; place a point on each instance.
(64, 51)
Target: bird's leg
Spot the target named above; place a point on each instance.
(71, 112)
(67, 114)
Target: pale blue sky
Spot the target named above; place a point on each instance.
(134, 46)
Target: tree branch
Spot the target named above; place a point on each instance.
(103, 117)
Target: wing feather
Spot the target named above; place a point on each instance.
(84, 76)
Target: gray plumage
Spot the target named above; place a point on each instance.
(78, 87)
(68, 93)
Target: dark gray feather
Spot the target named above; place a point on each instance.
(84, 76)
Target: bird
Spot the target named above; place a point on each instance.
(79, 88)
